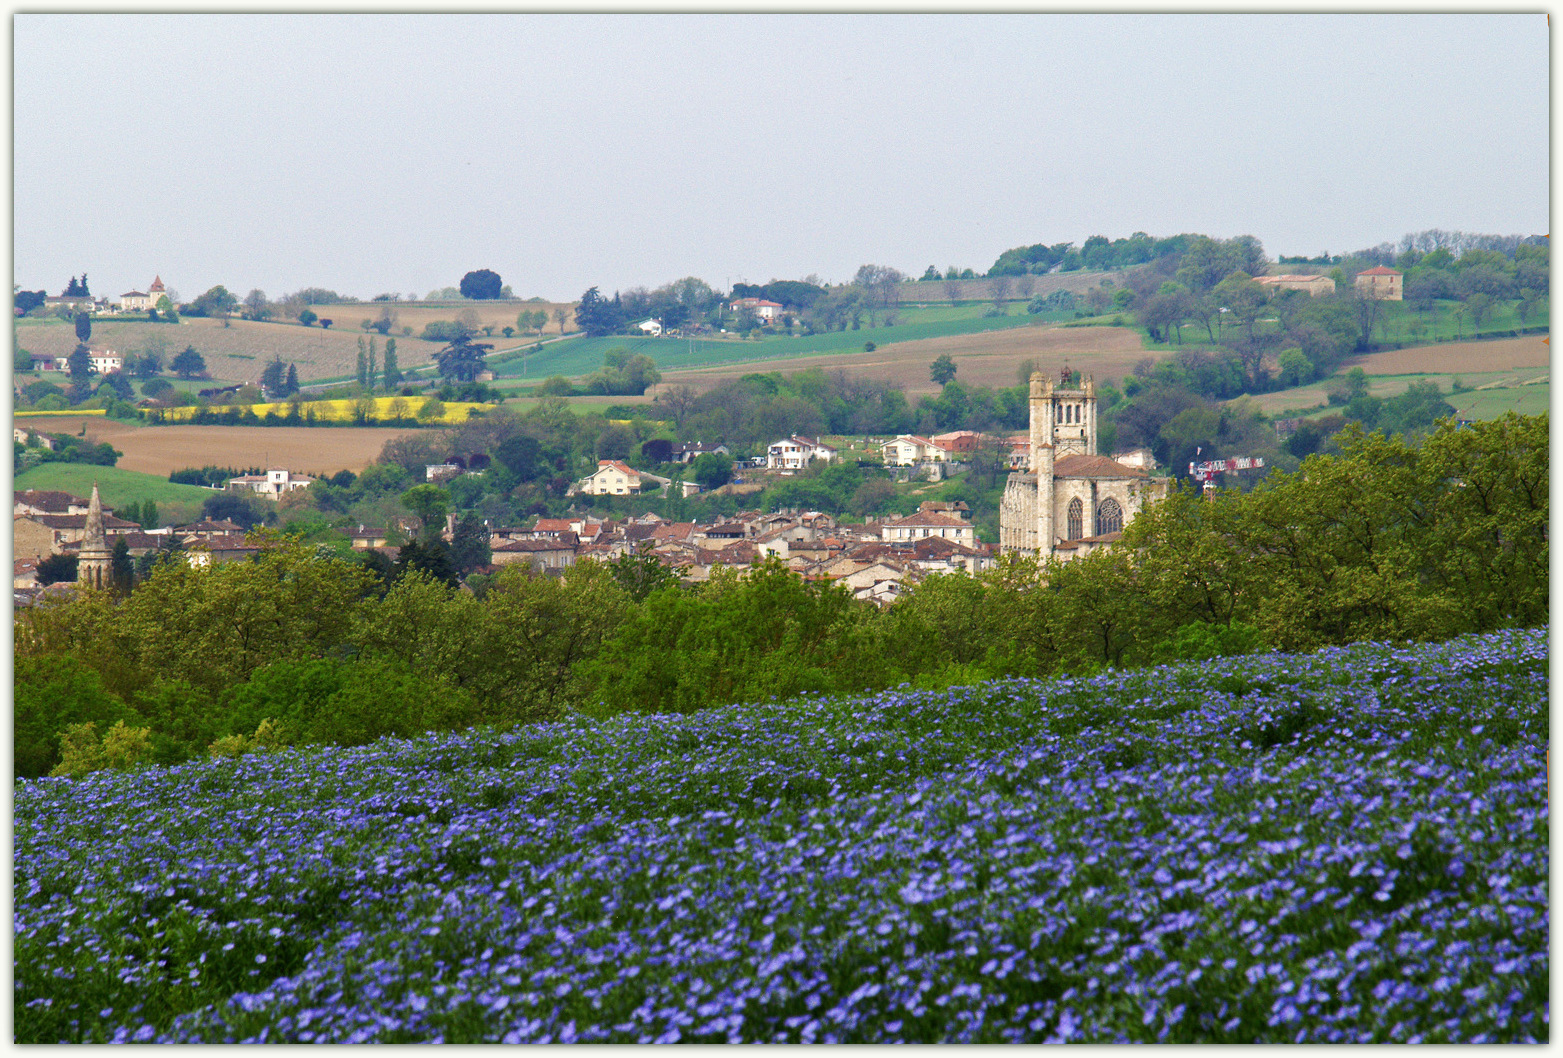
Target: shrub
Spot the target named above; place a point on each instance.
(121, 747)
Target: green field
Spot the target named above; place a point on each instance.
(581, 356)
(117, 487)
(1484, 394)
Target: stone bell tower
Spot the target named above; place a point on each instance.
(95, 563)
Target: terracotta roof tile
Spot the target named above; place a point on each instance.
(1080, 466)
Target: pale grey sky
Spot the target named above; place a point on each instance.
(369, 153)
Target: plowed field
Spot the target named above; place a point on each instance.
(161, 449)
(1504, 354)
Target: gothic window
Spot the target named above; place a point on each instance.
(1075, 530)
(1109, 517)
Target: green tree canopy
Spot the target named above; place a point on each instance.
(481, 285)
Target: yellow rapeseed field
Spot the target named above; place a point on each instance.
(375, 409)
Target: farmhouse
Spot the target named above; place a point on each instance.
(1070, 493)
(1312, 285)
(271, 484)
(1381, 284)
(103, 361)
(765, 310)
(25, 436)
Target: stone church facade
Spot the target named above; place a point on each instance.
(1071, 499)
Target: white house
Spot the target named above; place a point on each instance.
(613, 478)
(795, 453)
(271, 484)
(908, 449)
(765, 310)
(652, 327)
(106, 361)
(928, 522)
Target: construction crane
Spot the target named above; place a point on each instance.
(1206, 472)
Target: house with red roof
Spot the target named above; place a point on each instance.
(613, 478)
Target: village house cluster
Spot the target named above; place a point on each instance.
(46, 523)
(878, 561)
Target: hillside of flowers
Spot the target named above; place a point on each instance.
(1344, 846)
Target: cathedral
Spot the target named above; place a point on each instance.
(1070, 500)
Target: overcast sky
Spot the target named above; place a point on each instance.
(375, 153)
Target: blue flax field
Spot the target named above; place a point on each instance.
(1344, 846)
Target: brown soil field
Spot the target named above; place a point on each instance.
(1504, 354)
(989, 358)
(414, 314)
(162, 449)
(236, 353)
(240, 351)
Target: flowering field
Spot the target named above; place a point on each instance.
(345, 411)
(1350, 845)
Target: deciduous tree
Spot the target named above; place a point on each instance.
(481, 285)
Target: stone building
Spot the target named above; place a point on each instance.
(1383, 284)
(1069, 493)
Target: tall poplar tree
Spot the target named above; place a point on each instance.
(393, 374)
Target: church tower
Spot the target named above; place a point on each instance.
(1070, 492)
(96, 559)
(1063, 423)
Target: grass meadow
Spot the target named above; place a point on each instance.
(581, 356)
(1348, 846)
(117, 487)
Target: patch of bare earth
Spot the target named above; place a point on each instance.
(1504, 354)
(163, 449)
(989, 358)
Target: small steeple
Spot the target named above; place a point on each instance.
(95, 560)
(92, 533)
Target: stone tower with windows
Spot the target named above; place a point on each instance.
(1071, 499)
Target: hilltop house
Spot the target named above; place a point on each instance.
(612, 478)
(795, 453)
(271, 484)
(765, 310)
(909, 449)
(1381, 284)
(1312, 285)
